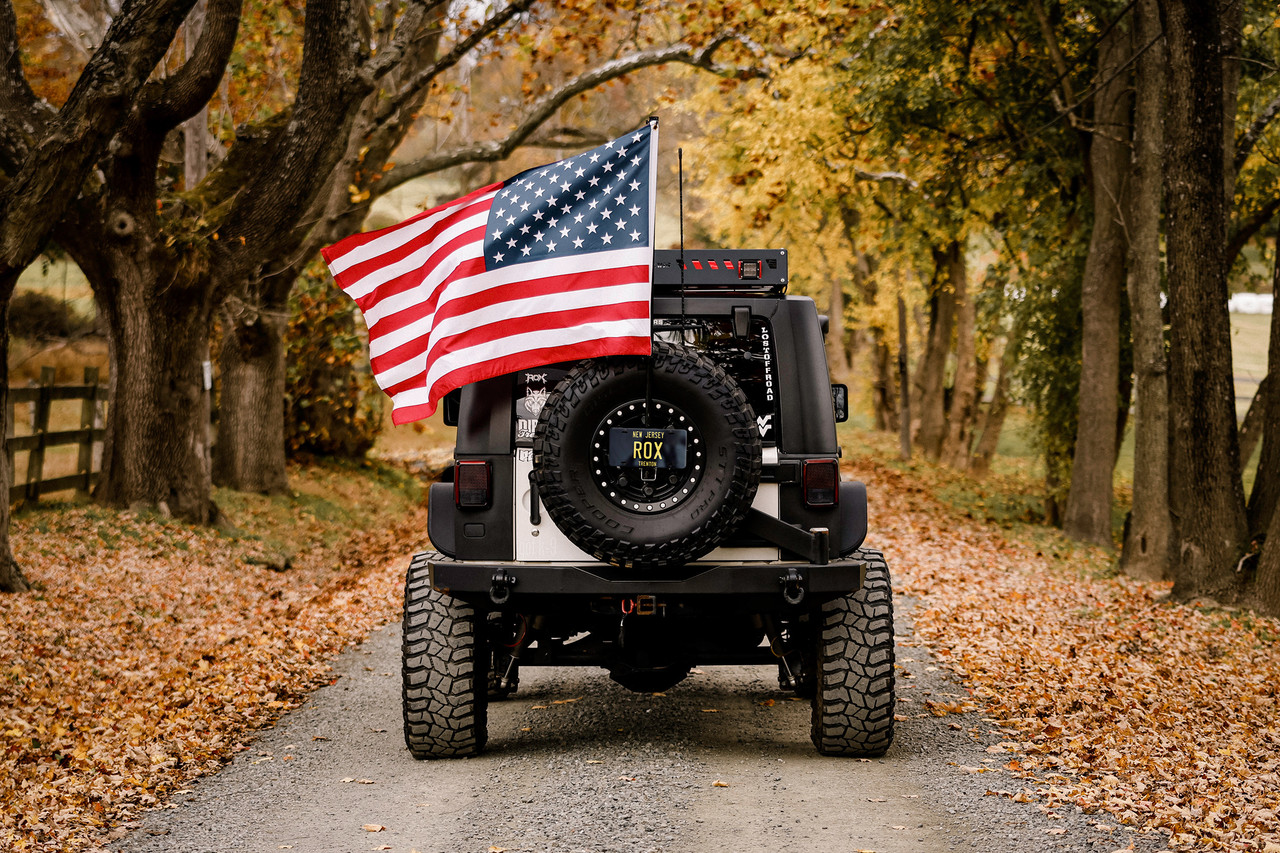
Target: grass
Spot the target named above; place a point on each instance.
(327, 500)
(62, 279)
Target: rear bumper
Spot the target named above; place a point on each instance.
(504, 583)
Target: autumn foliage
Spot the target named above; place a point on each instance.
(1111, 697)
(150, 648)
(332, 404)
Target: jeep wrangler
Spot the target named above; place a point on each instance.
(649, 515)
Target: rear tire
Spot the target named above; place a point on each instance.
(854, 702)
(445, 671)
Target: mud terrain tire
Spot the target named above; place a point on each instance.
(854, 703)
(445, 671)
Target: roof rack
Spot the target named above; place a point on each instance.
(732, 270)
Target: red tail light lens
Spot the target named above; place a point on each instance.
(472, 483)
(821, 482)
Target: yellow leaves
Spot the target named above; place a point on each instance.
(719, 784)
(373, 827)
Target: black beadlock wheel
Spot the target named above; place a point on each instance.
(445, 670)
(627, 516)
(854, 701)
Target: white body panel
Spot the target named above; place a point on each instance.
(545, 543)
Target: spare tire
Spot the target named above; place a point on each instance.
(676, 491)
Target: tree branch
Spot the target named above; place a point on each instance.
(499, 149)
(169, 102)
(385, 63)
(1250, 137)
(1245, 231)
(884, 177)
(22, 115)
(49, 177)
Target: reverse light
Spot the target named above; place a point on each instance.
(821, 478)
(472, 483)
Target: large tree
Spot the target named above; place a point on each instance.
(47, 154)
(164, 258)
(1088, 513)
(1146, 546)
(1206, 496)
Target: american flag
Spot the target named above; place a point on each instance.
(552, 265)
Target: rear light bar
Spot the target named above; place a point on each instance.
(821, 480)
(472, 484)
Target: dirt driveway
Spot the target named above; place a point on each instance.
(575, 763)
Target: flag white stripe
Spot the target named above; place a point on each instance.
(535, 305)
(497, 313)
(398, 237)
(420, 258)
(497, 278)
(516, 344)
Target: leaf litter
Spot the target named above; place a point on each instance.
(1107, 695)
(150, 650)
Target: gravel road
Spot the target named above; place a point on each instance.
(575, 763)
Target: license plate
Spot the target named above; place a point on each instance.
(647, 448)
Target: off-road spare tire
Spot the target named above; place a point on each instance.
(687, 511)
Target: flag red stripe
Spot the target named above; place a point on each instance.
(460, 206)
(414, 277)
(549, 286)
(548, 355)
(534, 323)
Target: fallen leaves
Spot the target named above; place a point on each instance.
(150, 649)
(373, 827)
(1115, 699)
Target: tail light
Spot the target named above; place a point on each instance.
(821, 482)
(472, 483)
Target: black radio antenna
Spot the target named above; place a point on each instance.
(680, 168)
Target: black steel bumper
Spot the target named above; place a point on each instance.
(507, 582)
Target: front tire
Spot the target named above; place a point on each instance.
(854, 701)
(445, 670)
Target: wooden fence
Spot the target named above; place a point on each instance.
(41, 397)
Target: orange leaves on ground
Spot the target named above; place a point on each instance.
(1113, 698)
(149, 648)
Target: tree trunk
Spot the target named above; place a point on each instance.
(1146, 545)
(1088, 513)
(960, 418)
(904, 389)
(1254, 422)
(931, 373)
(1206, 495)
(993, 421)
(11, 577)
(1265, 497)
(837, 351)
(156, 306)
(886, 407)
(1267, 585)
(249, 455)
